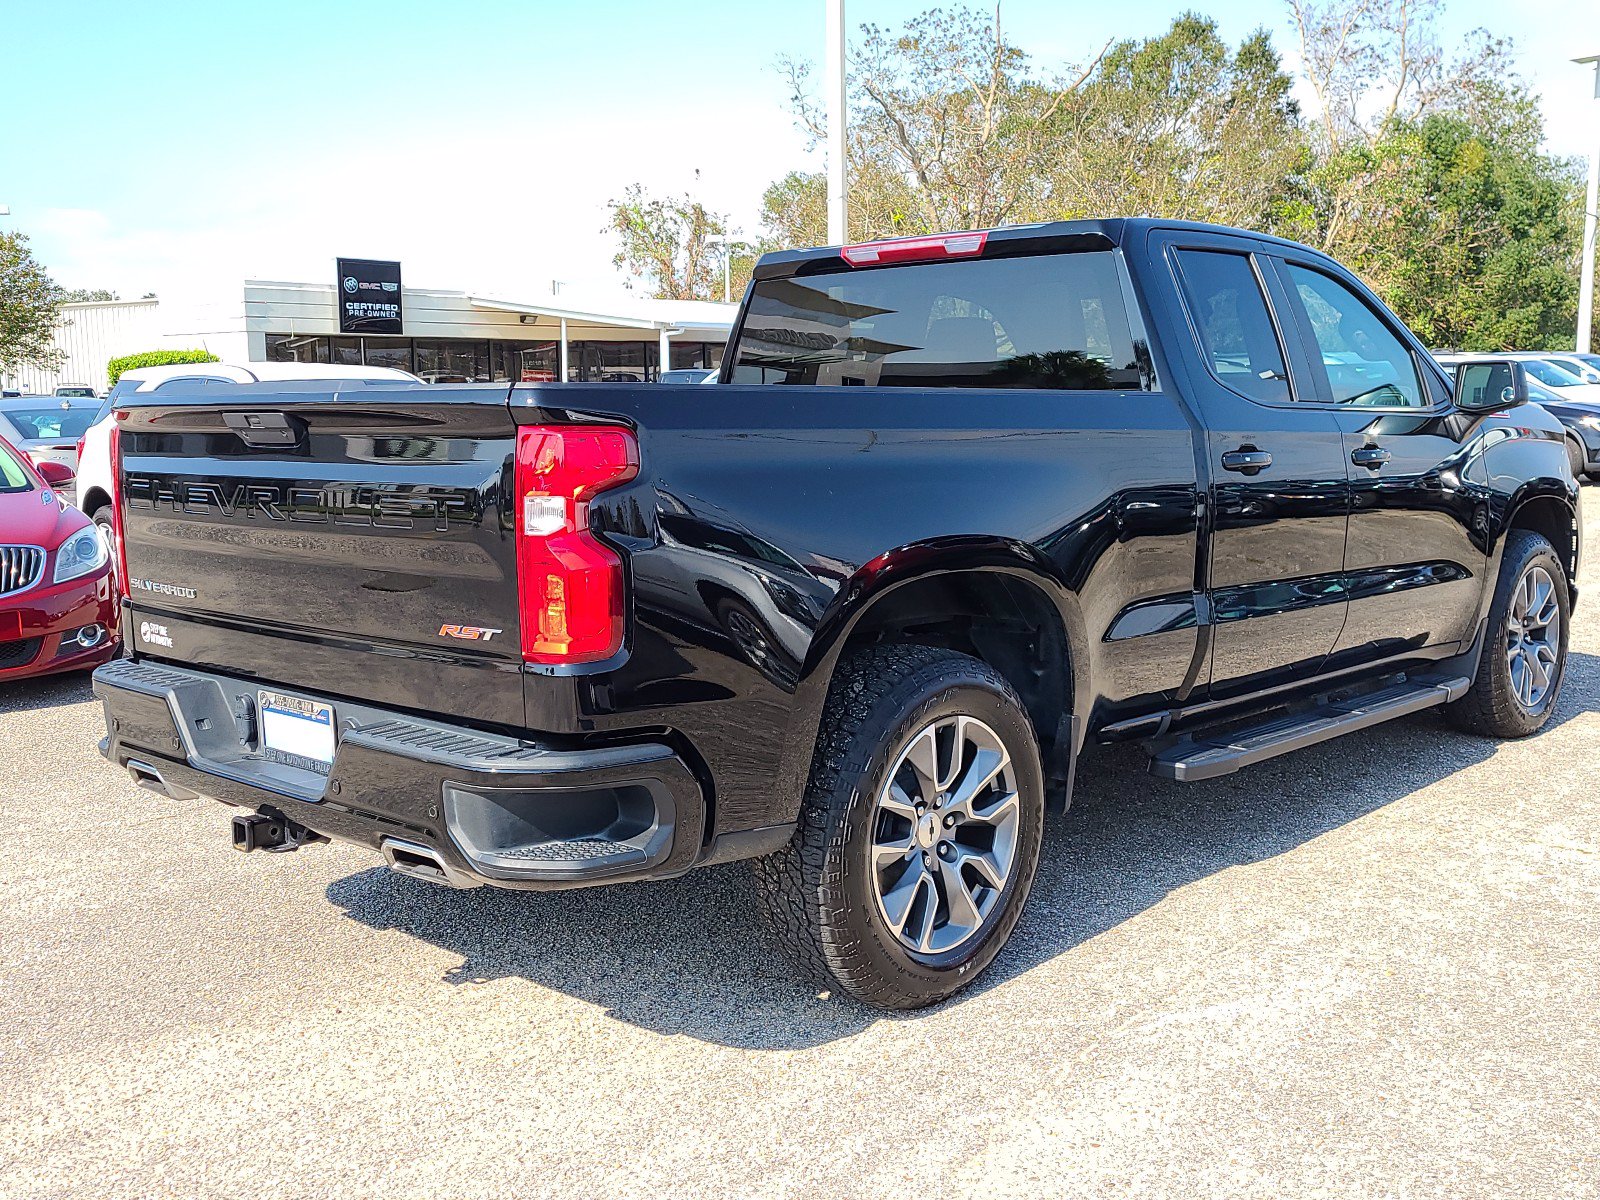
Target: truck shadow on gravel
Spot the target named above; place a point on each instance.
(690, 956)
(47, 691)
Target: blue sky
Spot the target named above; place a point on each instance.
(180, 147)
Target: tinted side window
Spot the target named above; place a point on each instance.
(1043, 321)
(1365, 362)
(1236, 331)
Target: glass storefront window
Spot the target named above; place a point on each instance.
(290, 347)
(467, 359)
(382, 352)
(471, 360)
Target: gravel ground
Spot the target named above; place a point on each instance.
(1368, 969)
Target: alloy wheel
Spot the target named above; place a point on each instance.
(1533, 638)
(945, 835)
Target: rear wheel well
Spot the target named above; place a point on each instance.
(1556, 523)
(93, 500)
(1003, 621)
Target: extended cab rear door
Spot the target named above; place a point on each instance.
(1414, 556)
(1279, 488)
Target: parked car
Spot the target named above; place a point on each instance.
(686, 375)
(77, 391)
(976, 499)
(1564, 379)
(58, 608)
(93, 454)
(1585, 366)
(1580, 418)
(47, 428)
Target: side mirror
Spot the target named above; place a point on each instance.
(56, 474)
(1490, 385)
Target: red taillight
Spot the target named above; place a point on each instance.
(569, 582)
(78, 449)
(116, 504)
(916, 249)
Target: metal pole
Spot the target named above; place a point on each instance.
(834, 85)
(666, 354)
(727, 273)
(1586, 280)
(564, 372)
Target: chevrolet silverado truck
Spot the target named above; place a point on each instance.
(957, 507)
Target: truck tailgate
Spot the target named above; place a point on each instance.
(347, 546)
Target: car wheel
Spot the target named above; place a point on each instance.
(105, 524)
(1577, 457)
(1525, 655)
(919, 832)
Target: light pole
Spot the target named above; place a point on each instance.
(834, 87)
(1586, 281)
(727, 243)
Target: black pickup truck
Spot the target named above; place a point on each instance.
(956, 507)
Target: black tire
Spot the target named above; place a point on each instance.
(1491, 706)
(818, 894)
(106, 520)
(1577, 457)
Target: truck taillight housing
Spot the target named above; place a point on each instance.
(116, 503)
(569, 583)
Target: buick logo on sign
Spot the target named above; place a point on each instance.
(371, 299)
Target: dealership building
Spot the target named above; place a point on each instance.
(443, 336)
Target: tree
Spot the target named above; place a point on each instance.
(87, 296)
(30, 304)
(952, 129)
(1429, 181)
(1178, 126)
(663, 242)
(947, 124)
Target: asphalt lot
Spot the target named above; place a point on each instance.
(1369, 969)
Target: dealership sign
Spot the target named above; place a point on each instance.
(369, 296)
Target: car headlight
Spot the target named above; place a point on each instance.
(1591, 422)
(81, 554)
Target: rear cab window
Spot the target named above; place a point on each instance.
(1055, 321)
(1236, 330)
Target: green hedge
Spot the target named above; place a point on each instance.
(156, 358)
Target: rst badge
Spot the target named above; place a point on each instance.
(468, 633)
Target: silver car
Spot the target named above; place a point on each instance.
(47, 428)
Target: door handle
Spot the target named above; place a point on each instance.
(1371, 457)
(1247, 460)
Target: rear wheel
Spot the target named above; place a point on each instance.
(919, 833)
(1525, 657)
(1577, 457)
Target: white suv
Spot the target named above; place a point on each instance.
(94, 482)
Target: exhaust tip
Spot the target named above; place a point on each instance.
(416, 861)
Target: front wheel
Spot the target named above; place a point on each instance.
(1525, 655)
(919, 833)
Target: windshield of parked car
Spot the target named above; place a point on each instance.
(1042, 321)
(44, 423)
(1551, 374)
(12, 476)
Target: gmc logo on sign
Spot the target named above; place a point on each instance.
(468, 633)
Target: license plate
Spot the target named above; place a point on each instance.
(297, 732)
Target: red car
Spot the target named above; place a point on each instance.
(58, 597)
